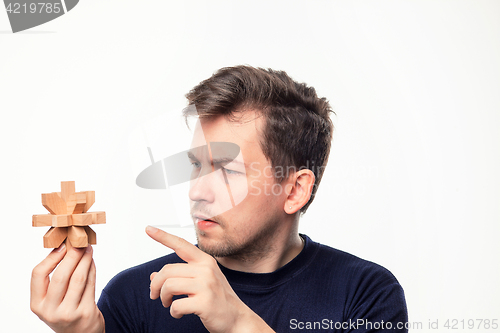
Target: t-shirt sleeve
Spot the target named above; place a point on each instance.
(115, 317)
(379, 304)
(120, 304)
(126, 306)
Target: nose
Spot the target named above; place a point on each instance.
(201, 188)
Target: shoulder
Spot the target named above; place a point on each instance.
(355, 278)
(354, 268)
(368, 290)
(366, 286)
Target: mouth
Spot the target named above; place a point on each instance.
(203, 222)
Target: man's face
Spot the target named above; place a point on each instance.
(237, 206)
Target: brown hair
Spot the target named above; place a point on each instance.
(298, 129)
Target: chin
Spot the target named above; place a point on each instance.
(214, 248)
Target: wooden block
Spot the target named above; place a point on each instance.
(81, 202)
(76, 202)
(77, 236)
(62, 220)
(82, 219)
(54, 203)
(68, 244)
(69, 219)
(45, 220)
(89, 200)
(98, 217)
(91, 235)
(42, 220)
(54, 237)
(67, 189)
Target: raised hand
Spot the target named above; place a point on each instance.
(66, 303)
(210, 296)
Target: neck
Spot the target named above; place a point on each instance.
(280, 249)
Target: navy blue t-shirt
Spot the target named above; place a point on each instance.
(322, 289)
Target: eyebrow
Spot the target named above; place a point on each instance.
(227, 160)
(220, 160)
(191, 155)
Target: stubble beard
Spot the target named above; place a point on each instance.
(252, 247)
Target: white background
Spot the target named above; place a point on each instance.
(412, 182)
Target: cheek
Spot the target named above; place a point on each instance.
(239, 189)
(264, 192)
(223, 195)
(260, 184)
(254, 187)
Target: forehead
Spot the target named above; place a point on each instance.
(244, 131)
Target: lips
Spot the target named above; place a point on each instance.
(201, 217)
(203, 222)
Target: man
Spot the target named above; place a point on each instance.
(252, 271)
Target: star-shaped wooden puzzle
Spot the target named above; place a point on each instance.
(69, 218)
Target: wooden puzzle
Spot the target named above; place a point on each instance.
(69, 218)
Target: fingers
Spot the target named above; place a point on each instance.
(185, 250)
(40, 275)
(78, 280)
(60, 279)
(183, 306)
(69, 301)
(88, 297)
(167, 272)
(176, 286)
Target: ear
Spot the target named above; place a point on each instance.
(299, 190)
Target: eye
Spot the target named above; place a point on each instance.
(231, 172)
(196, 164)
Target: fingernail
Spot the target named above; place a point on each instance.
(151, 229)
(88, 249)
(61, 247)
